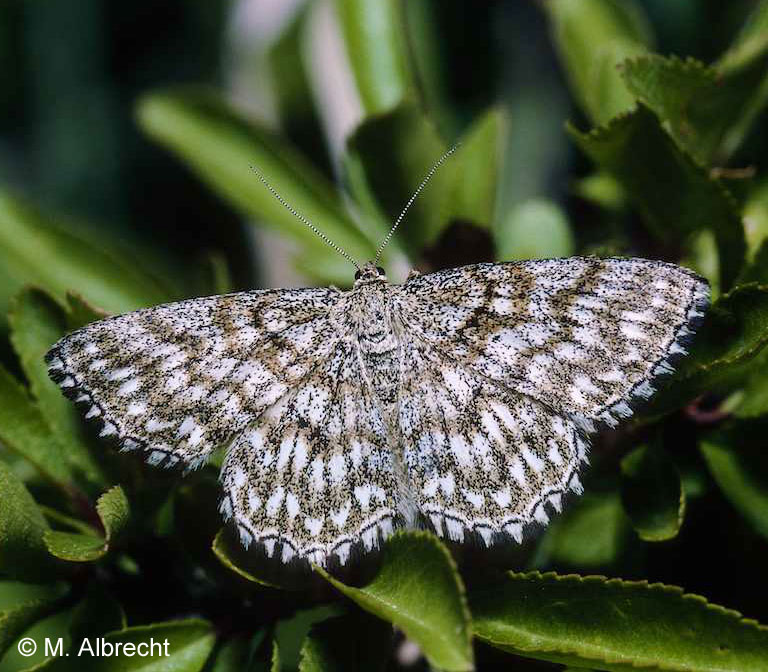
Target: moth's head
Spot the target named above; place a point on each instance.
(370, 273)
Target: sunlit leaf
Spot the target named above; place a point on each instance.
(591, 533)
(602, 189)
(374, 35)
(756, 217)
(34, 251)
(37, 322)
(22, 525)
(419, 590)
(220, 145)
(475, 170)
(178, 645)
(536, 229)
(113, 510)
(610, 624)
(592, 38)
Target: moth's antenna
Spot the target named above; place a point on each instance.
(412, 199)
(302, 218)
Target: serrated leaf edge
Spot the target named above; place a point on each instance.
(623, 584)
(109, 533)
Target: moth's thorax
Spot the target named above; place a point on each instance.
(373, 319)
(371, 322)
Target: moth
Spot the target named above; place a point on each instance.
(462, 399)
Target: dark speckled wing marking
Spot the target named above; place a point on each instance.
(182, 379)
(508, 367)
(315, 474)
(481, 457)
(466, 396)
(585, 336)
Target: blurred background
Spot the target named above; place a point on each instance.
(73, 72)
(128, 130)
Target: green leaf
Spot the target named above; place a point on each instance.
(535, 229)
(733, 333)
(221, 146)
(351, 642)
(756, 217)
(33, 251)
(227, 555)
(240, 654)
(80, 312)
(757, 270)
(740, 469)
(24, 431)
(21, 604)
(113, 510)
(418, 590)
(591, 533)
(22, 525)
(751, 400)
(750, 42)
(374, 35)
(291, 633)
(745, 60)
(75, 547)
(652, 494)
(674, 195)
(701, 105)
(593, 37)
(276, 660)
(37, 322)
(475, 169)
(233, 656)
(62, 520)
(602, 189)
(610, 624)
(387, 158)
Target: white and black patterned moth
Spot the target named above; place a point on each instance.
(463, 398)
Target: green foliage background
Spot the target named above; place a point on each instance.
(579, 134)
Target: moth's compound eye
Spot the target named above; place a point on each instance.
(358, 273)
(380, 270)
